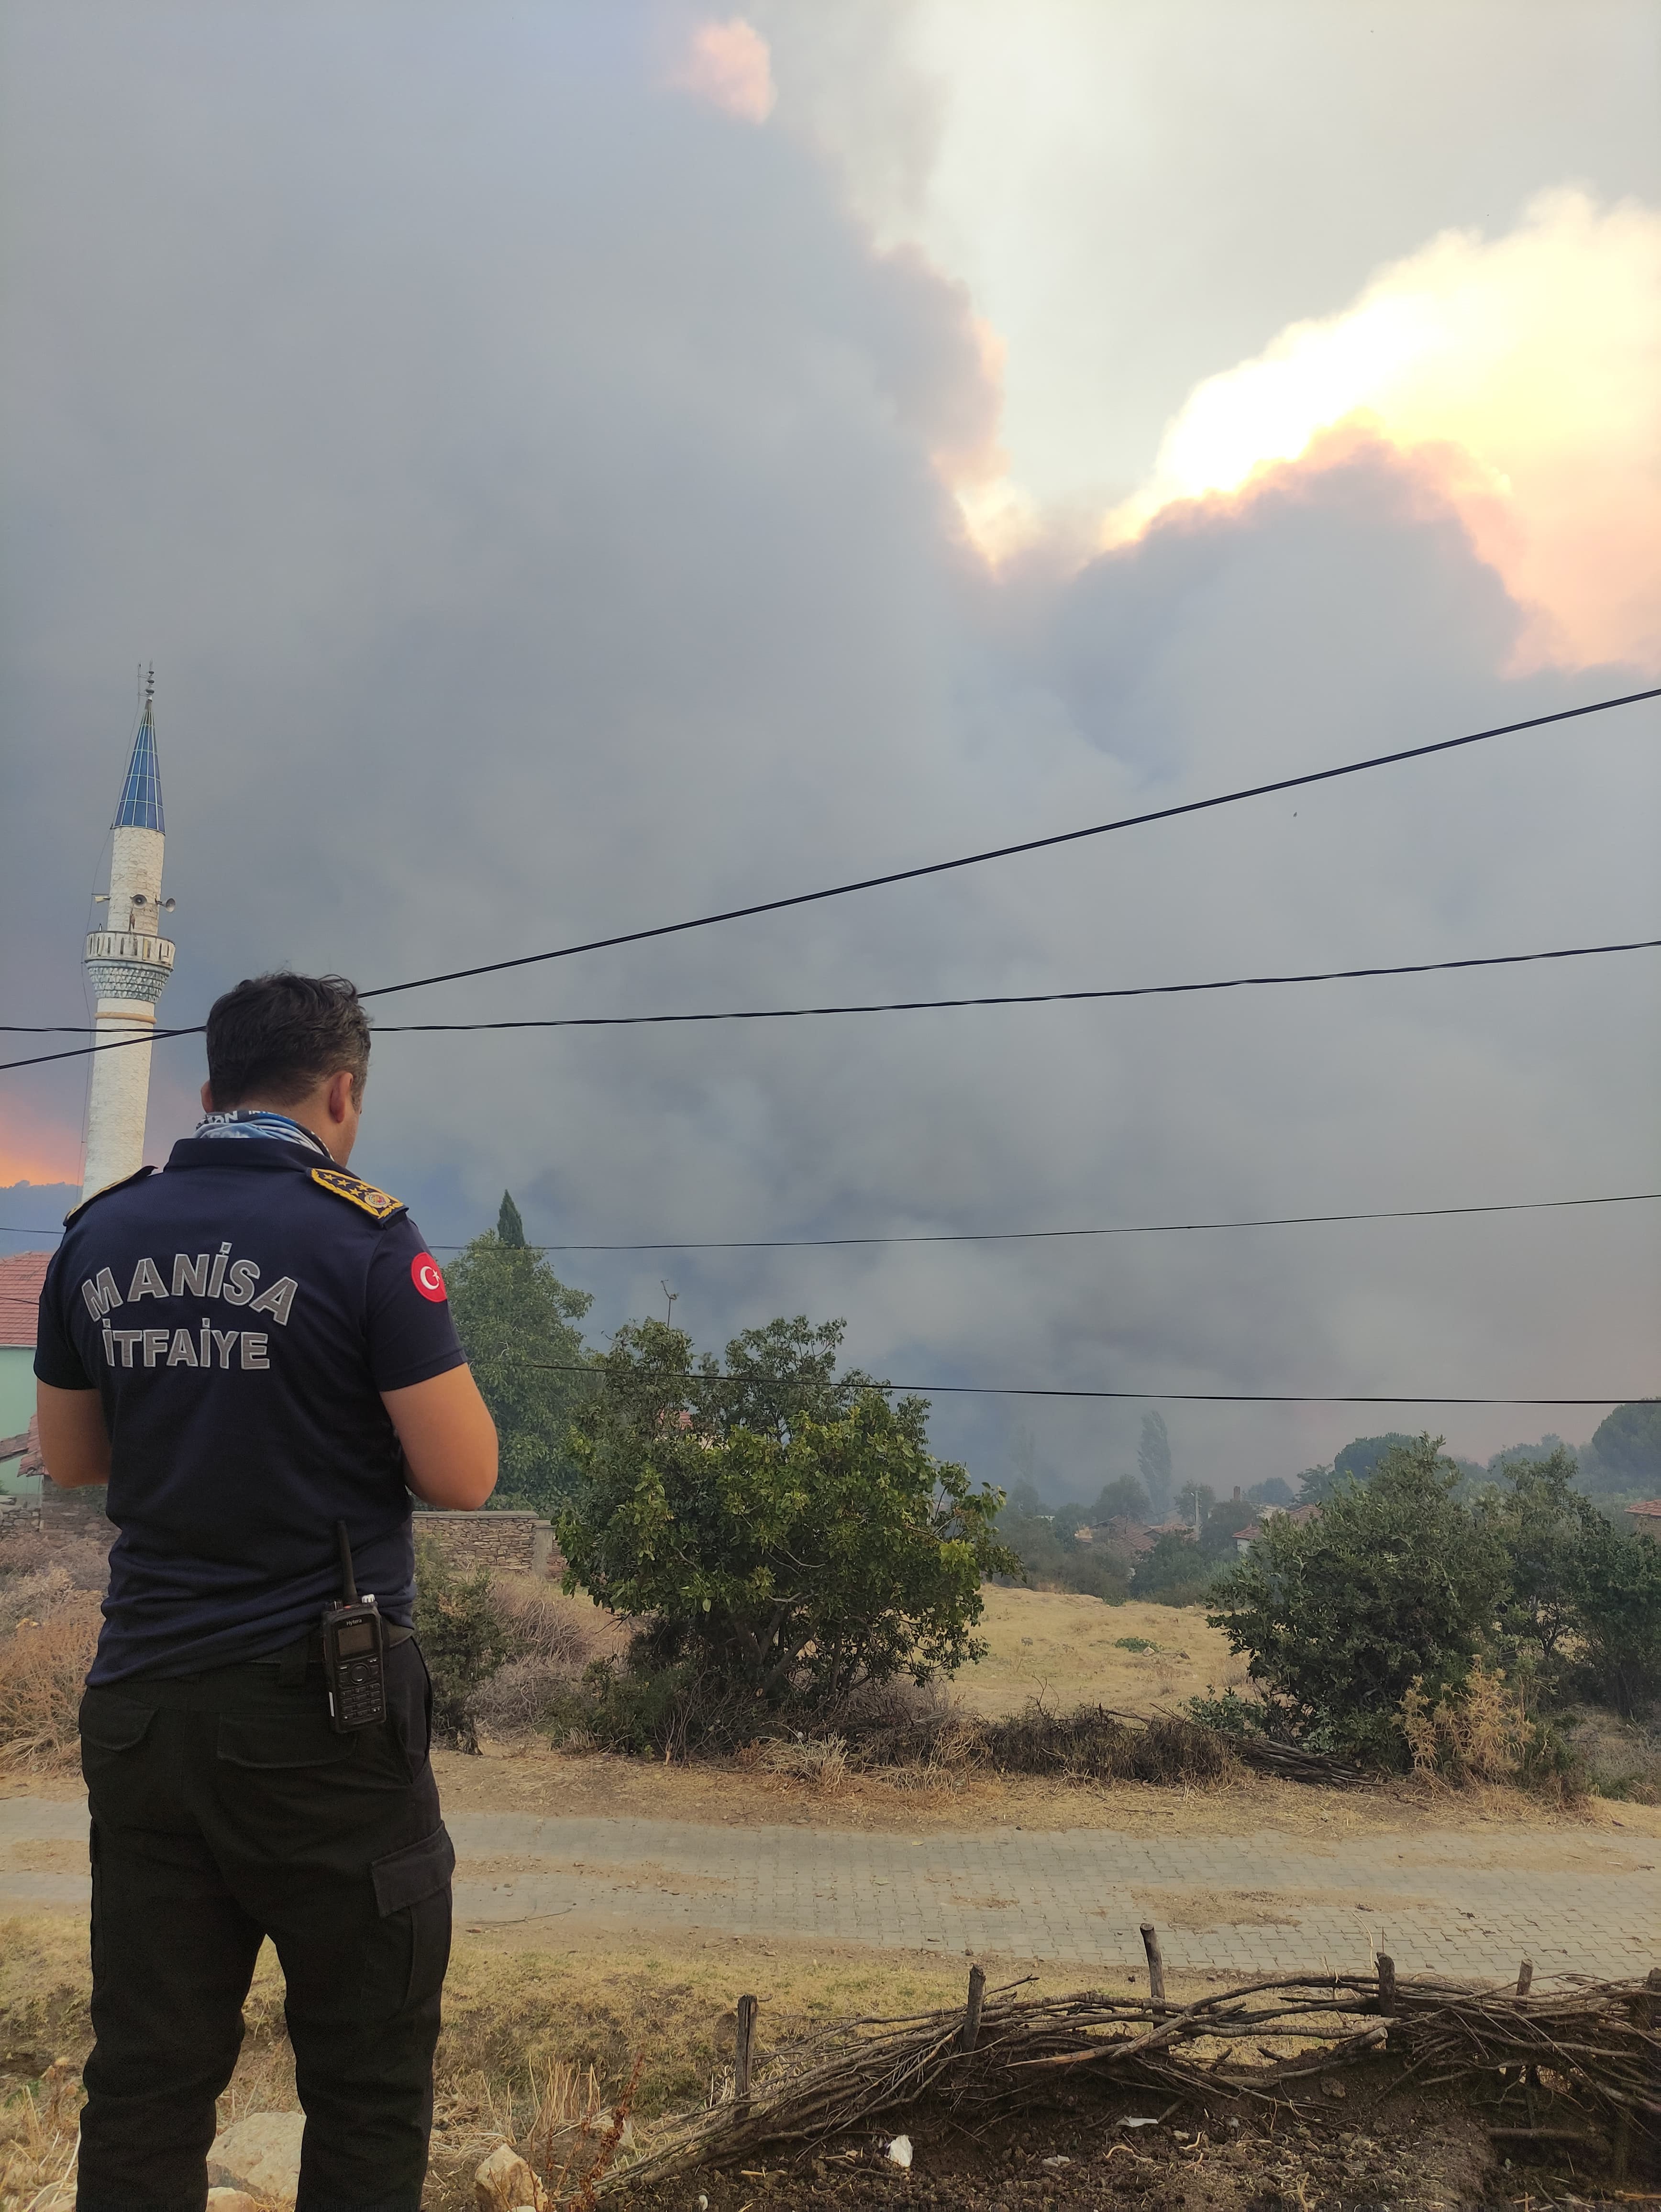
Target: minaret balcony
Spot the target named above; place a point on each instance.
(123, 963)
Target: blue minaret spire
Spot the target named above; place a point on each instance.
(141, 795)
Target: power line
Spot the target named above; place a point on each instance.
(1133, 1229)
(763, 1385)
(1021, 998)
(1022, 1235)
(906, 1005)
(116, 1044)
(1028, 845)
(937, 867)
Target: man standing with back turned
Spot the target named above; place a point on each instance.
(253, 1349)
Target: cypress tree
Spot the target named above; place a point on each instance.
(510, 1230)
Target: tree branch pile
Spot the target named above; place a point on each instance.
(1592, 2046)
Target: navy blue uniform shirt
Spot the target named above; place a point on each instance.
(240, 1319)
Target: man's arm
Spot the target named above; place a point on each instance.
(448, 1437)
(73, 1441)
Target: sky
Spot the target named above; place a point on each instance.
(576, 466)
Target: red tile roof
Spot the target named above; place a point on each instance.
(1648, 1509)
(22, 1274)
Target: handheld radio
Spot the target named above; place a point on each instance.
(353, 1648)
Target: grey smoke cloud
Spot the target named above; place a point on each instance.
(521, 478)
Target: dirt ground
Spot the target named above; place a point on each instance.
(1406, 2155)
(598, 2002)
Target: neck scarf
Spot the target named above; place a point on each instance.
(260, 1121)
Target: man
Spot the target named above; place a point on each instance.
(251, 1347)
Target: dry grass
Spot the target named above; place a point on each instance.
(43, 1669)
(512, 2018)
(556, 1637)
(39, 2129)
(1065, 1650)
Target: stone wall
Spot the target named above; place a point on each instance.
(64, 1514)
(512, 1543)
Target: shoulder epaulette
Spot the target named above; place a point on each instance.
(92, 1197)
(378, 1203)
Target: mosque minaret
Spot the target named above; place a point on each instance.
(128, 963)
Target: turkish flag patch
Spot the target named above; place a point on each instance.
(428, 1278)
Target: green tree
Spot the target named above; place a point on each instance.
(510, 1229)
(1362, 1459)
(786, 1526)
(1153, 1461)
(1547, 1530)
(1624, 1457)
(1393, 1581)
(1274, 1491)
(1123, 1498)
(1172, 1573)
(517, 1322)
(1620, 1619)
(1223, 1523)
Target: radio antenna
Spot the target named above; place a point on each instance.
(348, 1582)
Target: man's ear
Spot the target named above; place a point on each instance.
(340, 1094)
(207, 1098)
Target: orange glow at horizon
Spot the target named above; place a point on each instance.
(1519, 376)
(35, 1148)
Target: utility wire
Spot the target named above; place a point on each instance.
(1020, 998)
(762, 1385)
(938, 867)
(908, 1006)
(1028, 845)
(1133, 1229)
(1020, 1236)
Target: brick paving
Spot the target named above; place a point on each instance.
(1433, 1898)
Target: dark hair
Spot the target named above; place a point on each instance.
(277, 1035)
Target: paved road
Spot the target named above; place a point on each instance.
(1433, 1898)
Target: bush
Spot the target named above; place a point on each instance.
(1394, 1583)
(1620, 1620)
(1091, 1745)
(1173, 1572)
(43, 1671)
(788, 1530)
(1549, 1533)
(464, 1631)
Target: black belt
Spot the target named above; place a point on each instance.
(308, 1650)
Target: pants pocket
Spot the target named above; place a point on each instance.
(413, 1884)
(121, 1786)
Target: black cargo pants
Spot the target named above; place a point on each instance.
(225, 1808)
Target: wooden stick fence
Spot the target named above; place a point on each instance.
(1593, 2048)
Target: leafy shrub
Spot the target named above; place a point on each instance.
(788, 1530)
(1547, 1531)
(1619, 1617)
(1231, 1714)
(1394, 1583)
(1173, 1572)
(660, 1711)
(466, 1634)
